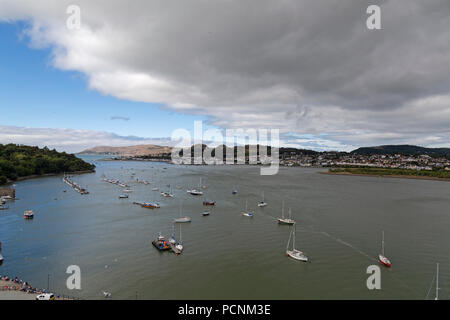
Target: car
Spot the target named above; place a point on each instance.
(46, 296)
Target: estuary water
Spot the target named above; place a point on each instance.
(227, 256)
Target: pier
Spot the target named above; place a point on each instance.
(74, 185)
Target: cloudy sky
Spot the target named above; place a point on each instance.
(136, 70)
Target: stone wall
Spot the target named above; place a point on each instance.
(7, 192)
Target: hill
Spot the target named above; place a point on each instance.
(402, 149)
(129, 151)
(18, 161)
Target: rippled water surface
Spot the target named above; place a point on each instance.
(228, 256)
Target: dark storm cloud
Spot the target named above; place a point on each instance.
(304, 66)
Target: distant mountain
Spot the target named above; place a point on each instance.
(130, 151)
(402, 149)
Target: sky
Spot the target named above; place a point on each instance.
(136, 71)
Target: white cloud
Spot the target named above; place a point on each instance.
(70, 140)
(304, 66)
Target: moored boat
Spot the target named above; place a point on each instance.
(206, 213)
(161, 244)
(209, 203)
(247, 213)
(181, 219)
(262, 203)
(28, 215)
(381, 257)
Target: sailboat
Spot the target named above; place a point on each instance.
(437, 282)
(384, 261)
(182, 219)
(294, 253)
(172, 238)
(262, 203)
(196, 192)
(179, 245)
(247, 213)
(284, 220)
(167, 194)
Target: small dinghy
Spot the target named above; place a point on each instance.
(206, 213)
(123, 196)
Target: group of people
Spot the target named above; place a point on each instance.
(20, 285)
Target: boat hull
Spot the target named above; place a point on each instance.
(384, 261)
(286, 221)
(297, 255)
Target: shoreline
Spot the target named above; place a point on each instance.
(399, 176)
(34, 176)
(16, 289)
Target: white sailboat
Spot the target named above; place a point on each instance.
(262, 203)
(294, 253)
(196, 192)
(283, 220)
(247, 213)
(168, 194)
(182, 219)
(384, 261)
(172, 238)
(179, 245)
(437, 282)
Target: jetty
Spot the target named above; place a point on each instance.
(74, 185)
(116, 182)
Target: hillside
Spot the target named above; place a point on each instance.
(130, 151)
(18, 161)
(402, 149)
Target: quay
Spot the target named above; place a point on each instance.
(75, 186)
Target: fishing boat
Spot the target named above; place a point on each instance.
(29, 214)
(161, 244)
(182, 219)
(206, 213)
(247, 213)
(209, 203)
(283, 220)
(294, 253)
(262, 203)
(123, 196)
(381, 257)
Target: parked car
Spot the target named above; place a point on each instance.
(46, 296)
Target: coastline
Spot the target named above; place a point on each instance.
(34, 176)
(385, 176)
